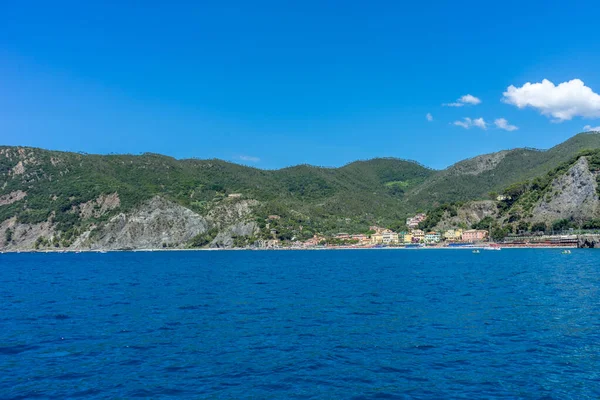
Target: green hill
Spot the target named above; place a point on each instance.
(350, 197)
(567, 196)
(475, 178)
(68, 196)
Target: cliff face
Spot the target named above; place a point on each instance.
(588, 241)
(157, 223)
(19, 236)
(571, 196)
(467, 215)
(478, 165)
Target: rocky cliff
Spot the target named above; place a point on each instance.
(571, 196)
(588, 241)
(157, 223)
(466, 215)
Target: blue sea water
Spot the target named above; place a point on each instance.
(365, 324)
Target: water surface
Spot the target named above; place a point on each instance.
(365, 324)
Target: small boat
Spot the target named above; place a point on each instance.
(492, 248)
(476, 251)
(566, 252)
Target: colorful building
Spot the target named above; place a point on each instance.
(413, 222)
(474, 235)
(453, 235)
(376, 238)
(405, 237)
(362, 239)
(314, 241)
(432, 237)
(389, 237)
(418, 236)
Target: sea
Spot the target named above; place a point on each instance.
(339, 324)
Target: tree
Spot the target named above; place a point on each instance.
(500, 233)
(8, 235)
(539, 227)
(592, 224)
(523, 226)
(485, 223)
(515, 190)
(561, 225)
(204, 239)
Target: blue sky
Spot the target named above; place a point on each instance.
(272, 83)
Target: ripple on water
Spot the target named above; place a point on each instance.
(318, 325)
(73, 375)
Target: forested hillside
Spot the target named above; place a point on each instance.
(476, 178)
(567, 196)
(69, 199)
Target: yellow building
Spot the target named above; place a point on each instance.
(407, 238)
(453, 235)
(376, 238)
(418, 235)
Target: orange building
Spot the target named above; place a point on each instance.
(474, 235)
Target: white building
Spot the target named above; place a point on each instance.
(389, 237)
(432, 237)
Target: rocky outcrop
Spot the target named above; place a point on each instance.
(588, 241)
(12, 197)
(479, 164)
(23, 236)
(233, 218)
(18, 169)
(98, 207)
(21, 157)
(227, 237)
(155, 224)
(231, 211)
(571, 196)
(468, 214)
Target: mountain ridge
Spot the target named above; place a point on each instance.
(396, 158)
(45, 191)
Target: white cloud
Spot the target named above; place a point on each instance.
(503, 124)
(468, 123)
(479, 122)
(563, 102)
(429, 117)
(249, 159)
(589, 128)
(469, 99)
(464, 100)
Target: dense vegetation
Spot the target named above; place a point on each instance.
(306, 199)
(516, 207)
(496, 172)
(349, 198)
(520, 197)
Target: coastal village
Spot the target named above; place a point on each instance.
(383, 237)
(413, 237)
